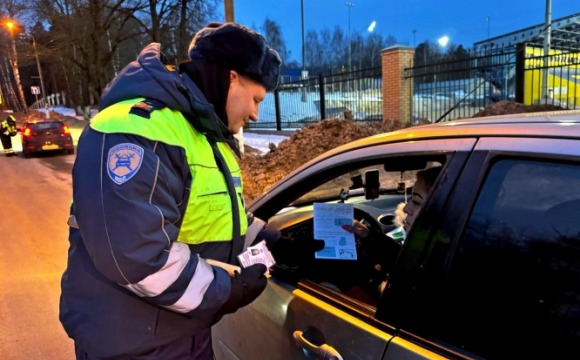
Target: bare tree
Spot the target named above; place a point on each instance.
(313, 50)
(86, 42)
(339, 46)
(90, 32)
(14, 10)
(273, 35)
(173, 23)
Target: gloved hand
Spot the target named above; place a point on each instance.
(246, 287)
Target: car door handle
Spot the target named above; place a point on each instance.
(324, 351)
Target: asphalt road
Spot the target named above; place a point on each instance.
(35, 195)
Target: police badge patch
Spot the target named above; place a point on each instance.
(123, 162)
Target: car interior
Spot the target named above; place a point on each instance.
(375, 190)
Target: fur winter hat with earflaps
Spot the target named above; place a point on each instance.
(237, 48)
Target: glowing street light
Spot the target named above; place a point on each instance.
(443, 41)
(10, 26)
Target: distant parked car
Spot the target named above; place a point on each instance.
(489, 269)
(46, 135)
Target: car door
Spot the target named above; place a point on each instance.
(297, 316)
(498, 276)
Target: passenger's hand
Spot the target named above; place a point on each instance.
(359, 229)
(246, 287)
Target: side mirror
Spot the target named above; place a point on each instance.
(372, 184)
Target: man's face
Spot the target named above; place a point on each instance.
(244, 98)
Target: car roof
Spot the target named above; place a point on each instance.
(43, 121)
(553, 124)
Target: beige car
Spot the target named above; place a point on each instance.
(489, 269)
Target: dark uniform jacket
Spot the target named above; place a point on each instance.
(129, 286)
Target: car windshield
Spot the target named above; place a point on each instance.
(352, 182)
(46, 126)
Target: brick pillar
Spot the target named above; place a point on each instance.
(397, 90)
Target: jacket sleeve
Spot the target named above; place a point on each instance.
(129, 195)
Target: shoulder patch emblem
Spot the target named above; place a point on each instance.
(123, 162)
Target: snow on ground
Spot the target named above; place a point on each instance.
(64, 111)
(297, 106)
(261, 142)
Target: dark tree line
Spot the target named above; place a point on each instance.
(82, 44)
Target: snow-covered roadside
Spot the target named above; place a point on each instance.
(261, 142)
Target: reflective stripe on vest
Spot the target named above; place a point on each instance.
(208, 216)
(7, 129)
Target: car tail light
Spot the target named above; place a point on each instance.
(26, 132)
(65, 130)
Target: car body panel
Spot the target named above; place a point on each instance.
(287, 312)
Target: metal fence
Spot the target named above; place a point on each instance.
(460, 89)
(300, 103)
(561, 69)
(441, 91)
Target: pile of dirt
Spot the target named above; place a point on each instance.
(260, 172)
(510, 107)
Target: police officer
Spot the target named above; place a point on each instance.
(7, 131)
(157, 190)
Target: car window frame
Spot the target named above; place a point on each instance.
(267, 205)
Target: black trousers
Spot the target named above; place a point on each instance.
(6, 141)
(189, 348)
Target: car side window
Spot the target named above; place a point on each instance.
(512, 288)
(381, 216)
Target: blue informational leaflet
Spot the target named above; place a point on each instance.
(339, 243)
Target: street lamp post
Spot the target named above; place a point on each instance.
(359, 83)
(442, 41)
(304, 74)
(370, 29)
(302, 19)
(547, 40)
(43, 93)
(349, 5)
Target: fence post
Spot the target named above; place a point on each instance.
(322, 101)
(520, 72)
(277, 107)
(397, 90)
